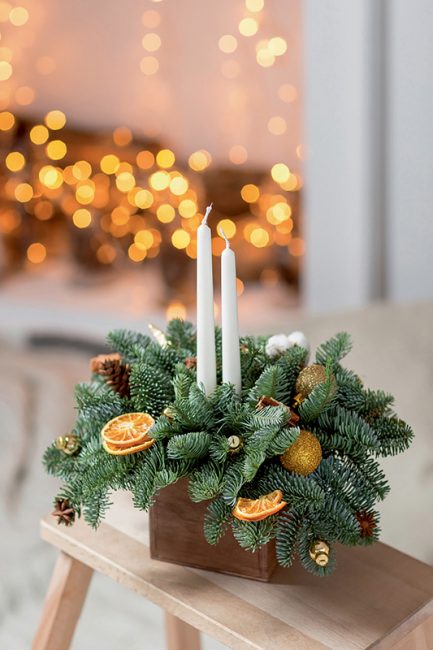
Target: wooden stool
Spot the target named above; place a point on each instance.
(378, 597)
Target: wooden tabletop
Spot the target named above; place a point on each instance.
(377, 597)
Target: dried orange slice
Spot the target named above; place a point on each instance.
(257, 509)
(125, 451)
(128, 430)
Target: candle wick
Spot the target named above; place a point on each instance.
(224, 236)
(207, 213)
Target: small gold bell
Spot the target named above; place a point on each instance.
(319, 552)
(168, 412)
(69, 444)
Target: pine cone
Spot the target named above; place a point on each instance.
(96, 362)
(64, 512)
(190, 362)
(265, 401)
(116, 374)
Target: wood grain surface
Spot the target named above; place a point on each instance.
(176, 535)
(378, 597)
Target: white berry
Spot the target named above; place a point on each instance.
(276, 345)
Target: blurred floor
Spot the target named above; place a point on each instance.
(393, 350)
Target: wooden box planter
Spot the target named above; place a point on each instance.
(176, 535)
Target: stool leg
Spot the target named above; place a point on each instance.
(63, 603)
(180, 635)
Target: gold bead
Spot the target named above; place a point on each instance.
(235, 444)
(319, 552)
(309, 378)
(72, 444)
(304, 456)
(60, 443)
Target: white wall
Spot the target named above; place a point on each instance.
(410, 150)
(369, 124)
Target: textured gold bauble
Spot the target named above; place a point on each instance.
(69, 444)
(304, 456)
(309, 378)
(319, 552)
(235, 444)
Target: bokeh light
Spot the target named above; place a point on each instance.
(18, 16)
(82, 218)
(55, 120)
(15, 161)
(36, 253)
(39, 134)
(227, 43)
(151, 42)
(149, 65)
(277, 125)
(250, 193)
(238, 154)
(165, 158)
(248, 26)
(56, 149)
(109, 164)
(280, 173)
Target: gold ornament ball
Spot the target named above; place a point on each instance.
(319, 552)
(69, 444)
(304, 456)
(309, 378)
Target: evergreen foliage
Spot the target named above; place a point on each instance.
(353, 424)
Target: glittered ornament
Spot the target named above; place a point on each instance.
(367, 524)
(69, 444)
(235, 444)
(304, 456)
(319, 552)
(309, 378)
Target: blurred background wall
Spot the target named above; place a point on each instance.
(369, 177)
(306, 123)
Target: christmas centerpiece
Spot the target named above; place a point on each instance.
(275, 451)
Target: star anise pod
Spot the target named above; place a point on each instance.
(367, 523)
(64, 512)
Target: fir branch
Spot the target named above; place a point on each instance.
(333, 350)
(251, 535)
(216, 520)
(289, 524)
(206, 482)
(189, 446)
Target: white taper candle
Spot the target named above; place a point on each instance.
(206, 361)
(229, 311)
